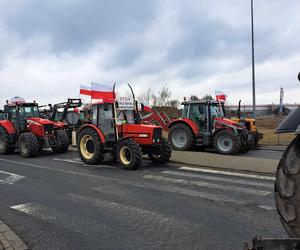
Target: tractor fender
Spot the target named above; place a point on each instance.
(290, 123)
(8, 125)
(190, 123)
(100, 133)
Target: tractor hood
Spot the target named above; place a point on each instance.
(290, 124)
(41, 121)
(138, 128)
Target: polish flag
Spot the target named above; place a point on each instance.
(102, 92)
(85, 90)
(220, 95)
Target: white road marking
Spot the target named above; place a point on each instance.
(223, 179)
(211, 171)
(34, 209)
(12, 178)
(208, 185)
(267, 207)
(69, 160)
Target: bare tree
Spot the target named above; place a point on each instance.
(173, 103)
(154, 99)
(164, 95)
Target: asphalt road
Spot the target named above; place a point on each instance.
(57, 202)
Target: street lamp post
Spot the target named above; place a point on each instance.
(253, 63)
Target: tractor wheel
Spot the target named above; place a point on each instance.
(227, 142)
(181, 137)
(28, 145)
(129, 154)
(164, 155)
(287, 188)
(5, 148)
(90, 147)
(62, 142)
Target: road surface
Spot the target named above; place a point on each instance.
(57, 202)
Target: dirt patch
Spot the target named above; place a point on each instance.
(267, 126)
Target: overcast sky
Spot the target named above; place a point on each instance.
(48, 48)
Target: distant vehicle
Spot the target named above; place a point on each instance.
(22, 128)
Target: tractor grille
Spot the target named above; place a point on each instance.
(48, 128)
(157, 134)
(248, 126)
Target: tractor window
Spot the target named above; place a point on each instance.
(215, 111)
(185, 111)
(197, 111)
(125, 117)
(31, 111)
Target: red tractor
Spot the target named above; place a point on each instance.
(203, 124)
(22, 128)
(119, 132)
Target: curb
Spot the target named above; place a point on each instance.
(9, 240)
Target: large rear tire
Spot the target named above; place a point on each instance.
(227, 142)
(181, 137)
(5, 147)
(28, 145)
(287, 189)
(165, 152)
(62, 141)
(129, 154)
(90, 147)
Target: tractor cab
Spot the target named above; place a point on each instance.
(18, 113)
(203, 112)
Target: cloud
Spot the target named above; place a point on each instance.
(49, 48)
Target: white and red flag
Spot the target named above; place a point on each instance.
(102, 92)
(220, 95)
(85, 90)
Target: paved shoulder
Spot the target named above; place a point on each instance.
(9, 240)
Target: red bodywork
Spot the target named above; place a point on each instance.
(194, 127)
(9, 126)
(102, 137)
(34, 125)
(141, 133)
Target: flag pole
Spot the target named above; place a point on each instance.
(115, 112)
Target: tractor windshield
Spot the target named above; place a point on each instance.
(125, 117)
(29, 111)
(216, 111)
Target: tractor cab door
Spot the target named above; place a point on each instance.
(103, 119)
(198, 113)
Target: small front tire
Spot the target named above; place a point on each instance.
(164, 155)
(129, 154)
(62, 142)
(28, 145)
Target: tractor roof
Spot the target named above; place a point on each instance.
(26, 104)
(207, 102)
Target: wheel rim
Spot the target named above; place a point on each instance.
(225, 143)
(87, 147)
(125, 155)
(23, 146)
(179, 138)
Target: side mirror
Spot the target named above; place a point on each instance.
(299, 76)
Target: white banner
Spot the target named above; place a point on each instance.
(125, 103)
